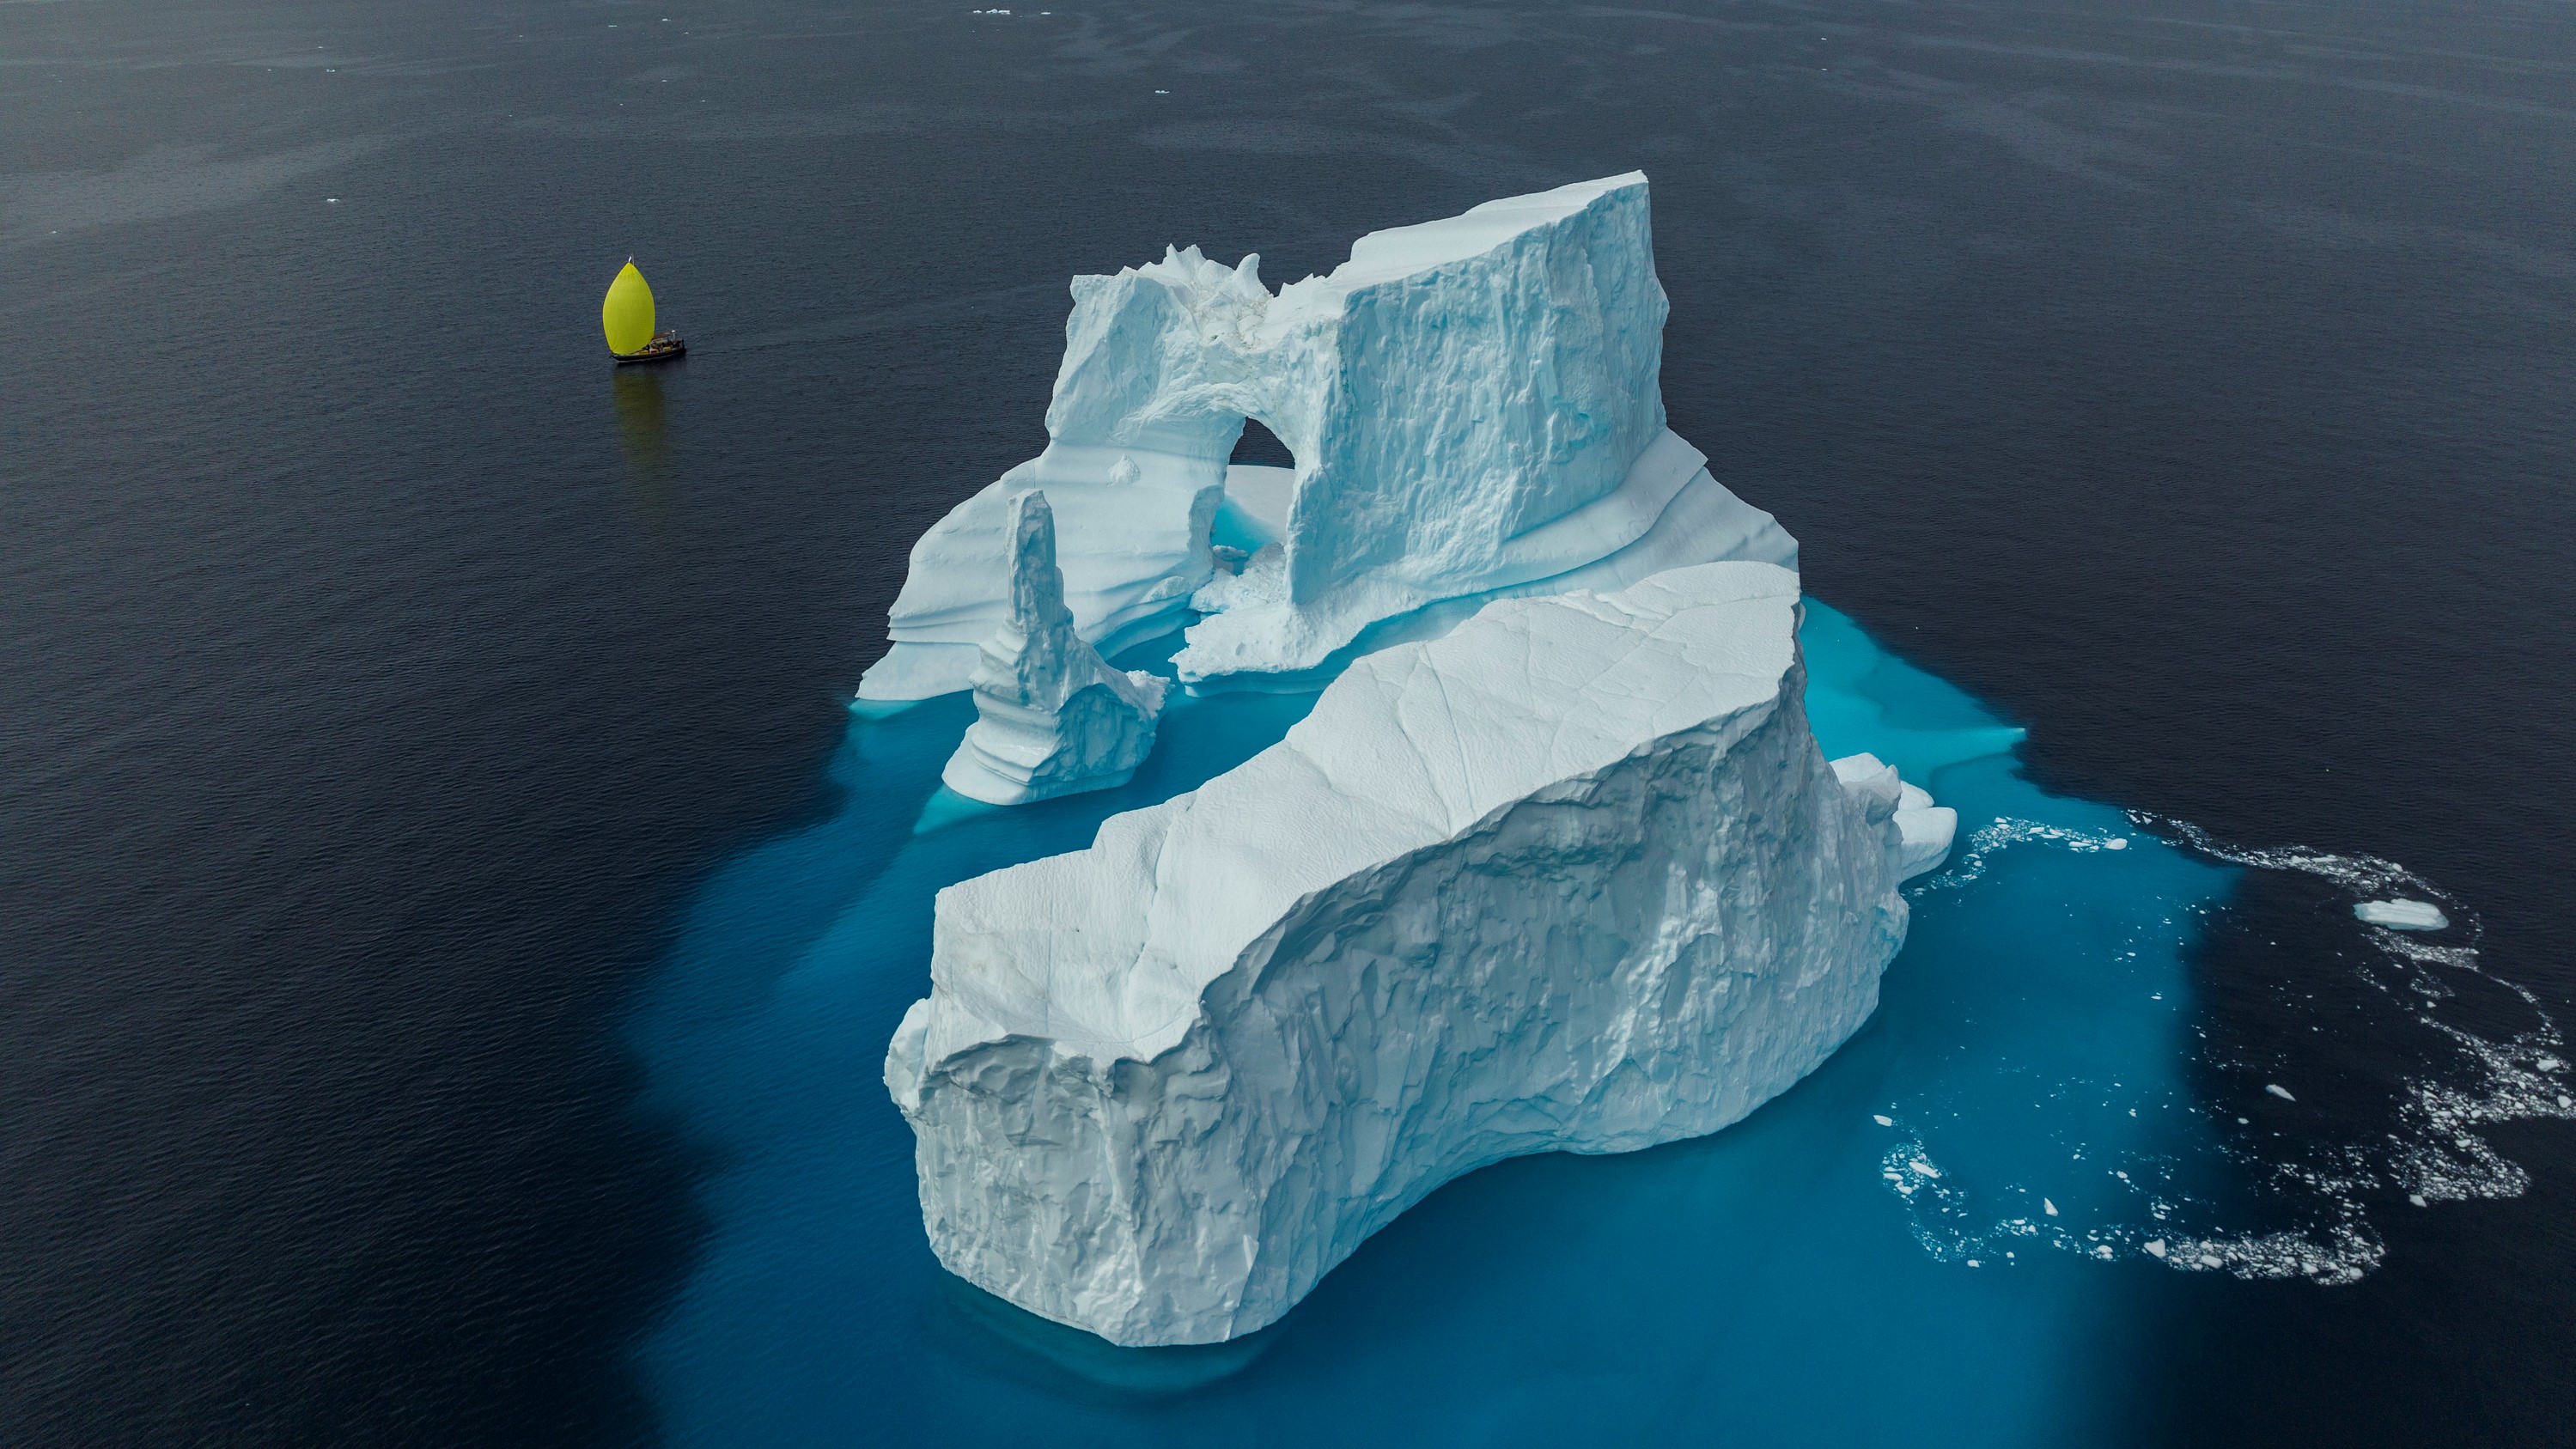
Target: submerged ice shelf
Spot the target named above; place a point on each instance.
(2036, 1039)
(1574, 876)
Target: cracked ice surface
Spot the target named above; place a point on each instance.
(1575, 876)
(1474, 406)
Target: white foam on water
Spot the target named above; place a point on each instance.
(1970, 865)
(2312, 1173)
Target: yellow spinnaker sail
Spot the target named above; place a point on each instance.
(627, 312)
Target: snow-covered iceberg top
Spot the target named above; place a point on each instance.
(1574, 876)
(1473, 405)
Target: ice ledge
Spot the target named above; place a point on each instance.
(1258, 630)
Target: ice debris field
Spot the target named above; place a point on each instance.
(1997, 1153)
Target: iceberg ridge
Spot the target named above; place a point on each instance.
(1575, 876)
(1473, 405)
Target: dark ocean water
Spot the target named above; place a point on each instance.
(384, 683)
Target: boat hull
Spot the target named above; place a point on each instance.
(660, 349)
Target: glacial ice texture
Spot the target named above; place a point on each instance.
(1473, 405)
(1575, 876)
(1051, 717)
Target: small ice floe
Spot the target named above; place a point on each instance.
(2156, 1246)
(2403, 915)
(2048, 1207)
(2115, 843)
(1882, 1119)
(2417, 1198)
(2277, 1090)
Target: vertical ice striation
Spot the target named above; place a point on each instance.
(1575, 876)
(1051, 717)
(1473, 404)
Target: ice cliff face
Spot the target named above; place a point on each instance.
(1051, 717)
(1473, 405)
(1575, 876)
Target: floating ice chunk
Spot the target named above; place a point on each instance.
(2048, 1207)
(2156, 1246)
(1051, 717)
(1575, 876)
(2277, 1090)
(1884, 1120)
(2116, 843)
(2403, 915)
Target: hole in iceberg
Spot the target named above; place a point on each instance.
(1259, 480)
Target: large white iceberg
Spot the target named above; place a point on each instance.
(1051, 717)
(1473, 405)
(1575, 876)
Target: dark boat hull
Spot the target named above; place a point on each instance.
(660, 349)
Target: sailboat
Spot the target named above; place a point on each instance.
(627, 316)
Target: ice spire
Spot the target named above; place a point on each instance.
(1051, 717)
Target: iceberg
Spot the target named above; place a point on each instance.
(1474, 409)
(1575, 876)
(1051, 717)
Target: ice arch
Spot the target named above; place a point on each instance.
(1473, 405)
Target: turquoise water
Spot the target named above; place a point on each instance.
(1870, 1255)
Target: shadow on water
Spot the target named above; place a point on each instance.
(1004, 1338)
(643, 434)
